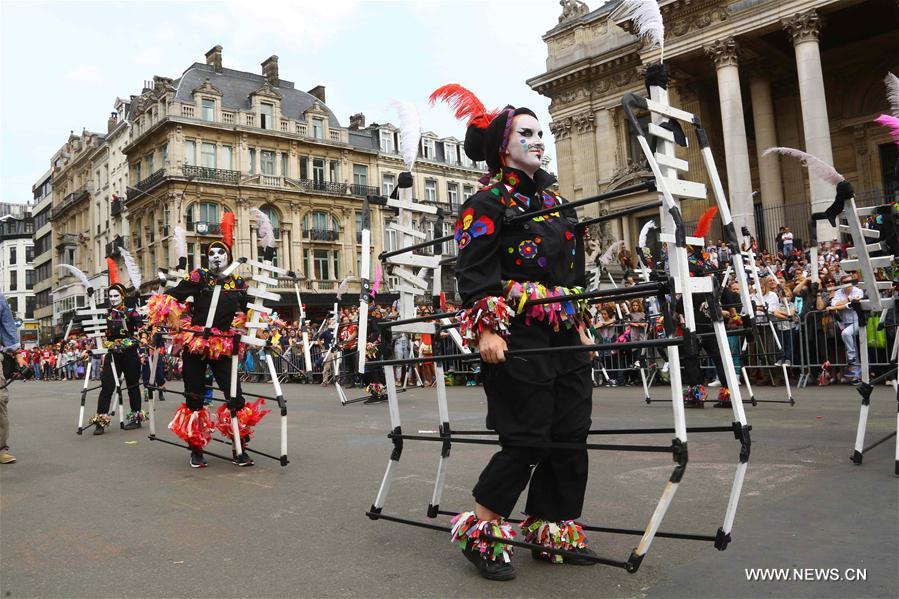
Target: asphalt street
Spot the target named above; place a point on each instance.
(122, 516)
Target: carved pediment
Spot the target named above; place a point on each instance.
(207, 89)
(267, 91)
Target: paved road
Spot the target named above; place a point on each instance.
(120, 516)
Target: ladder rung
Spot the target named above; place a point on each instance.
(685, 189)
(866, 210)
(661, 133)
(252, 341)
(255, 292)
(259, 308)
(870, 233)
(268, 267)
(876, 262)
(671, 161)
(884, 284)
(264, 280)
(669, 111)
(407, 230)
(871, 247)
(884, 303)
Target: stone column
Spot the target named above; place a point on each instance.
(804, 29)
(733, 126)
(770, 180)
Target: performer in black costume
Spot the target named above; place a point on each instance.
(538, 398)
(122, 325)
(214, 348)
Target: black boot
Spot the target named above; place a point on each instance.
(99, 430)
(132, 424)
(196, 458)
(586, 552)
(488, 568)
(243, 460)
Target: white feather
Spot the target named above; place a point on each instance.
(815, 165)
(892, 83)
(265, 232)
(78, 274)
(607, 256)
(179, 239)
(410, 131)
(644, 233)
(132, 268)
(343, 287)
(647, 20)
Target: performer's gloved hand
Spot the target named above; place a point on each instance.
(585, 339)
(236, 403)
(492, 347)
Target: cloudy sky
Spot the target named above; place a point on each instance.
(64, 63)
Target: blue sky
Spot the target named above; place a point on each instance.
(62, 64)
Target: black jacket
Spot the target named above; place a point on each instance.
(199, 283)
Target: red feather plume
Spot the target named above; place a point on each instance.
(113, 270)
(704, 225)
(465, 103)
(228, 228)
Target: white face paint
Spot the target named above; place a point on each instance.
(115, 298)
(525, 149)
(218, 259)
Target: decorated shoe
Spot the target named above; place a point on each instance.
(723, 398)
(567, 535)
(100, 422)
(493, 559)
(134, 420)
(695, 396)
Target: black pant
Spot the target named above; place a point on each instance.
(194, 372)
(126, 361)
(532, 399)
(690, 359)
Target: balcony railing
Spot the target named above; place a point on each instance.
(323, 186)
(204, 228)
(314, 234)
(115, 207)
(151, 181)
(217, 175)
(67, 239)
(73, 198)
(112, 248)
(363, 190)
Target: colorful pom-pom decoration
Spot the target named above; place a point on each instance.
(567, 535)
(489, 312)
(247, 417)
(194, 427)
(467, 530)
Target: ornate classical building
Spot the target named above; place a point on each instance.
(758, 73)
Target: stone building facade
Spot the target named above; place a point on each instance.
(42, 190)
(758, 73)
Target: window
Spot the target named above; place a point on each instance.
(335, 171)
(202, 212)
(387, 141)
(272, 215)
(207, 155)
(252, 161)
(467, 191)
(452, 196)
(12, 256)
(358, 227)
(304, 167)
(267, 162)
(449, 247)
(190, 152)
(319, 268)
(284, 164)
(208, 109)
(636, 152)
(427, 149)
(388, 182)
(29, 254)
(318, 171)
(431, 191)
(360, 174)
(318, 128)
(14, 280)
(449, 152)
(390, 244)
(226, 157)
(165, 157)
(266, 111)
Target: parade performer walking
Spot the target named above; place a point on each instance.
(208, 339)
(540, 398)
(122, 325)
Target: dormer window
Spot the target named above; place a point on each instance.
(208, 109)
(427, 149)
(318, 128)
(449, 152)
(266, 115)
(387, 141)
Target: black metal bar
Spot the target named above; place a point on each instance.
(648, 185)
(628, 431)
(876, 443)
(642, 289)
(205, 452)
(392, 323)
(537, 350)
(245, 448)
(553, 445)
(618, 214)
(424, 244)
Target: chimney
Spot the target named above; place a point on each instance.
(270, 70)
(214, 58)
(112, 121)
(319, 92)
(357, 121)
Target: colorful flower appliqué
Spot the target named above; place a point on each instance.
(527, 249)
(467, 228)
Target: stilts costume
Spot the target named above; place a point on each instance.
(534, 399)
(122, 325)
(209, 339)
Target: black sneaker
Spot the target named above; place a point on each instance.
(586, 552)
(244, 460)
(133, 424)
(488, 568)
(722, 404)
(197, 460)
(99, 430)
